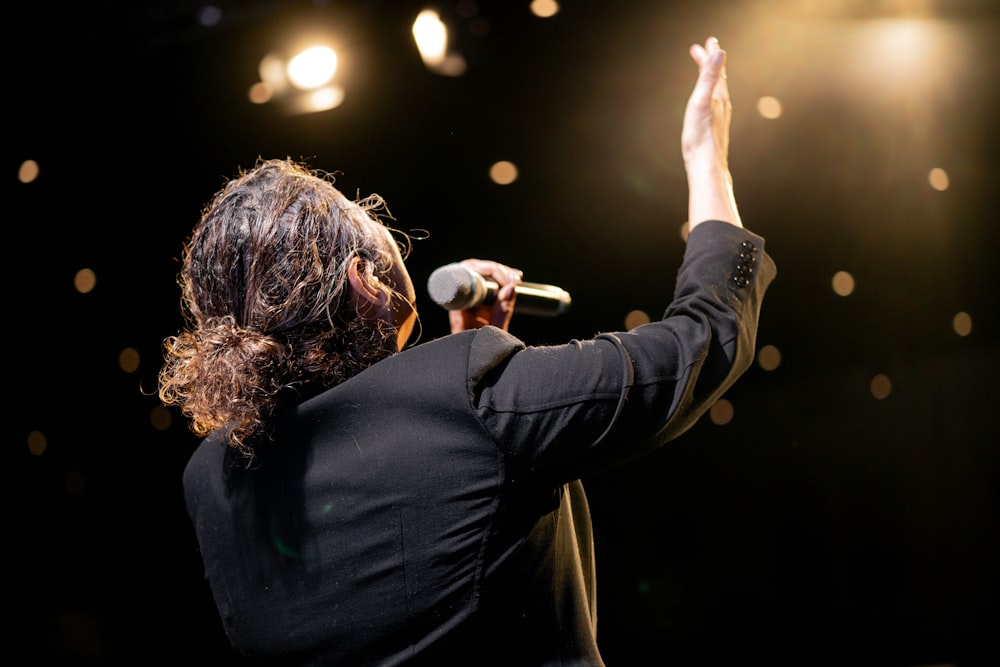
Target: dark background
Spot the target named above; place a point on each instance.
(820, 526)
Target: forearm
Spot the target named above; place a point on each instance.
(705, 141)
(711, 196)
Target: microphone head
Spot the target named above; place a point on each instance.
(455, 287)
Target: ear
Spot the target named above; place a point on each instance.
(365, 290)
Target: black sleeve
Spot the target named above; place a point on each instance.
(566, 410)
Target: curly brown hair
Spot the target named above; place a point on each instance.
(263, 295)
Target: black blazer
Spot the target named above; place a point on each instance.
(429, 510)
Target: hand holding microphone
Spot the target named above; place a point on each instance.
(478, 292)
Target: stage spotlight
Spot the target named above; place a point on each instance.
(301, 83)
(431, 36)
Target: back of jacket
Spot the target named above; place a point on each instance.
(428, 510)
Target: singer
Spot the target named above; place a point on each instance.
(358, 499)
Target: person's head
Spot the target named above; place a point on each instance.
(288, 288)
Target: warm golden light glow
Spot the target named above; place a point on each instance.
(721, 412)
(769, 107)
(769, 357)
(842, 283)
(160, 418)
(962, 324)
(28, 171)
(544, 8)
(128, 359)
(636, 318)
(37, 443)
(272, 72)
(84, 281)
(321, 99)
(431, 36)
(938, 178)
(302, 85)
(312, 67)
(881, 386)
(503, 172)
(260, 93)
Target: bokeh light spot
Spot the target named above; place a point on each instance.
(842, 283)
(128, 359)
(312, 67)
(881, 386)
(210, 15)
(260, 92)
(769, 107)
(721, 412)
(636, 318)
(160, 418)
(962, 323)
(28, 171)
(769, 357)
(544, 8)
(37, 443)
(503, 172)
(84, 281)
(938, 178)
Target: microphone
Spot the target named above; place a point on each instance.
(456, 287)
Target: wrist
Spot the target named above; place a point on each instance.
(711, 197)
(705, 161)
